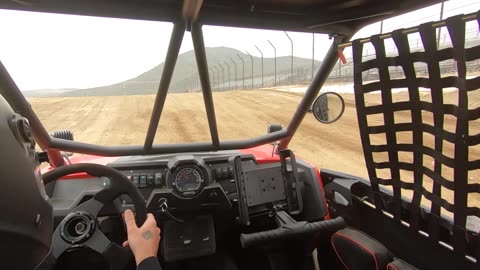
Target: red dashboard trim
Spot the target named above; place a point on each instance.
(83, 159)
(262, 153)
(320, 181)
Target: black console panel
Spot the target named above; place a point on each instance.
(194, 237)
(188, 183)
(191, 183)
(202, 188)
(205, 182)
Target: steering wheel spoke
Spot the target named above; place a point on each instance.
(60, 245)
(117, 256)
(91, 206)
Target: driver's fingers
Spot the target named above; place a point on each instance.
(125, 244)
(129, 220)
(150, 221)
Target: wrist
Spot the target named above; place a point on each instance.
(140, 258)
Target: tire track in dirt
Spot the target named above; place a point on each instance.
(265, 111)
(241, 118)
(183, 121)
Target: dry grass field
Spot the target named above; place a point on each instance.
(123, 120)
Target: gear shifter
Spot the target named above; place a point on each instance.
(163, 210)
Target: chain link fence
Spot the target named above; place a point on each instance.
(343, 73)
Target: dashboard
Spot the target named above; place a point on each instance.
(186, 182)
(200, 189)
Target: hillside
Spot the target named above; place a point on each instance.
(186, 67)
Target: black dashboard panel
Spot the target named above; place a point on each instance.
(153, 175)
(187, 182)
(211, 197)
(201, 190)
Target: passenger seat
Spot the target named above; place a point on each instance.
(358, 251)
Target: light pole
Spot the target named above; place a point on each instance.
(440, 29)
(195, 85)
(291, 64)
(313, 54)
(275, 62)
(262, 62)
(223, 76)
(218, 77)
(228, 76)
(251, 58)
(243, 71)
(197, 82)
(235, 63)
(213, 77)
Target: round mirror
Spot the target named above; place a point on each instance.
(328, 107)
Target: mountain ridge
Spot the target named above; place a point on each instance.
(185, 69)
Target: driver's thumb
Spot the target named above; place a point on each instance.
(129, 220)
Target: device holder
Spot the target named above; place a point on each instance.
(291, 185)
(293, 190)
(236, 163)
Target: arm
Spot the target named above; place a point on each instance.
(143, 241)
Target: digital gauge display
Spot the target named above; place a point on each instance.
(188, 180)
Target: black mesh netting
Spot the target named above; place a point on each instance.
(422, 135)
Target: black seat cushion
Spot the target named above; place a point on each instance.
(399, 264)
(358, 250)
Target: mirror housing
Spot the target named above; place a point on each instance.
(328, 107)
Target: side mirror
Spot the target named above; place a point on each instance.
(328, 107)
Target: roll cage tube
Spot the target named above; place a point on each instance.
(321, 76)
(172, 54)
(12, 94)
(10, 91)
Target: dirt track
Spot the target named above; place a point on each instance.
(124, 120)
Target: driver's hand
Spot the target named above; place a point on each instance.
(142, 241)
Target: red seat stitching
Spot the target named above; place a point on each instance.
(338, 255)
(363, 247)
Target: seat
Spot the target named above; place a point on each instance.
(357, 250)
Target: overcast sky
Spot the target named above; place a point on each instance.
(47, 51)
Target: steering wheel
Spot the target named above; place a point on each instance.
(80, 226)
